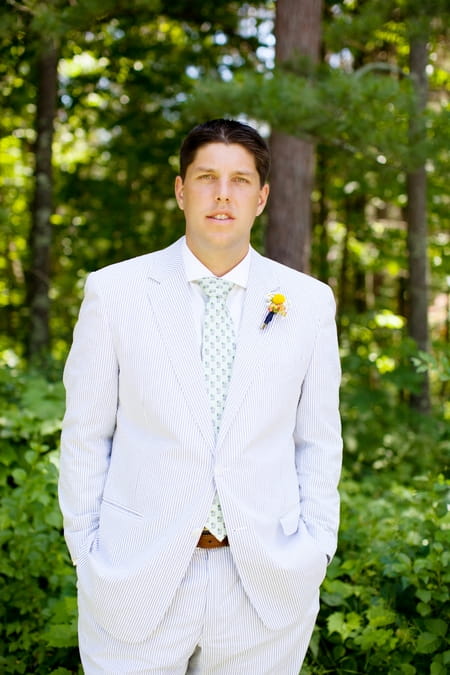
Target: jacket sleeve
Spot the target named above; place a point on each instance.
(318, 435)
(91, 383)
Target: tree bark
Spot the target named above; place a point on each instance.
(38, 277)
(288, 237)
(320, 216)
(416, 213)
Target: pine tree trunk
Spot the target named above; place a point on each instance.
(320, 216)
(417, 223)
(38, 277)
(288, 237)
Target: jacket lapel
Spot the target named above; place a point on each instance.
(171, 301)
(252, 339)
(168, 288)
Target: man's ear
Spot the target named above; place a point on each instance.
(179, 191)
(263, 196)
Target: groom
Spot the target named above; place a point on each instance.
(201, 444)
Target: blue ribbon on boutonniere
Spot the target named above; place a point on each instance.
(276, 304)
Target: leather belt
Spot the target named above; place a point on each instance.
(208, 540)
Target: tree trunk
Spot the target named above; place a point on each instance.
(320, 216)
(417, 222)
(38, 278)
(288, 237)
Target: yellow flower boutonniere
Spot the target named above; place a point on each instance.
(276, 304)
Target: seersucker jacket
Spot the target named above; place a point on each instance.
(140, 463)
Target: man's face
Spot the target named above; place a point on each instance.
(221, 196)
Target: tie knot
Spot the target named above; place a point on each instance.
(215, 287)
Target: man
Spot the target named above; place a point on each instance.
(199, 471)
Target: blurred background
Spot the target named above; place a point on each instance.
(353, 97)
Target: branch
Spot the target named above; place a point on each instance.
(380, 65)
(20, 7)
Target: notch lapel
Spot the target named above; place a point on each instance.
(252, 340)
(171, 301)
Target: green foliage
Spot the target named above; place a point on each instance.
(125, 70)
(429, 362)
(386, 599)
(381, 432)
(385, 602)
(126, 75)
(37, 585)
(322, 108)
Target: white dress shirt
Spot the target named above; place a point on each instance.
(197, 270)
(235, 301)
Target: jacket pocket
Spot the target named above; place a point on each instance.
(290, 520)
(120, 507)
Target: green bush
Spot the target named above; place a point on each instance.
(385, 602)
(381, 432)
(37, 585)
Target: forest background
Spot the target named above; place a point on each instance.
(354, 98)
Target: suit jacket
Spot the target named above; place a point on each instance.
(140, 463)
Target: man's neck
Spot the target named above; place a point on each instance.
(219, 263)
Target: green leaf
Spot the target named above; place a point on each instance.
(380, 616)
(436, 627)
(438, 669)
(335, 622)
(424, 594)
(61, 635)
(19, 475)
(427, 643)
(407, 669)
(344, 625)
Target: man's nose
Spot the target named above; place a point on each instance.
(223, 192)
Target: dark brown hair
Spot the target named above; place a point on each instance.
(226, 131)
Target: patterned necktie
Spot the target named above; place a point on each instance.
(218, 348)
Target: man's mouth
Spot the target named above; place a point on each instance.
(221, 216)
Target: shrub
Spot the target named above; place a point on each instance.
(36, 577)
(385, 602)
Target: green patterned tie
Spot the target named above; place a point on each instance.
(218, 348)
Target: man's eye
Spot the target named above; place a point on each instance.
(240, 179)
(206, 176)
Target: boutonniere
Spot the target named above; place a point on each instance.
(276, 304)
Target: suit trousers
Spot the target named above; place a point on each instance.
(210, 628)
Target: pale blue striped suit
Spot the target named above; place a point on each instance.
(140, 463)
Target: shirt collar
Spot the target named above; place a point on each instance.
(197, 270)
